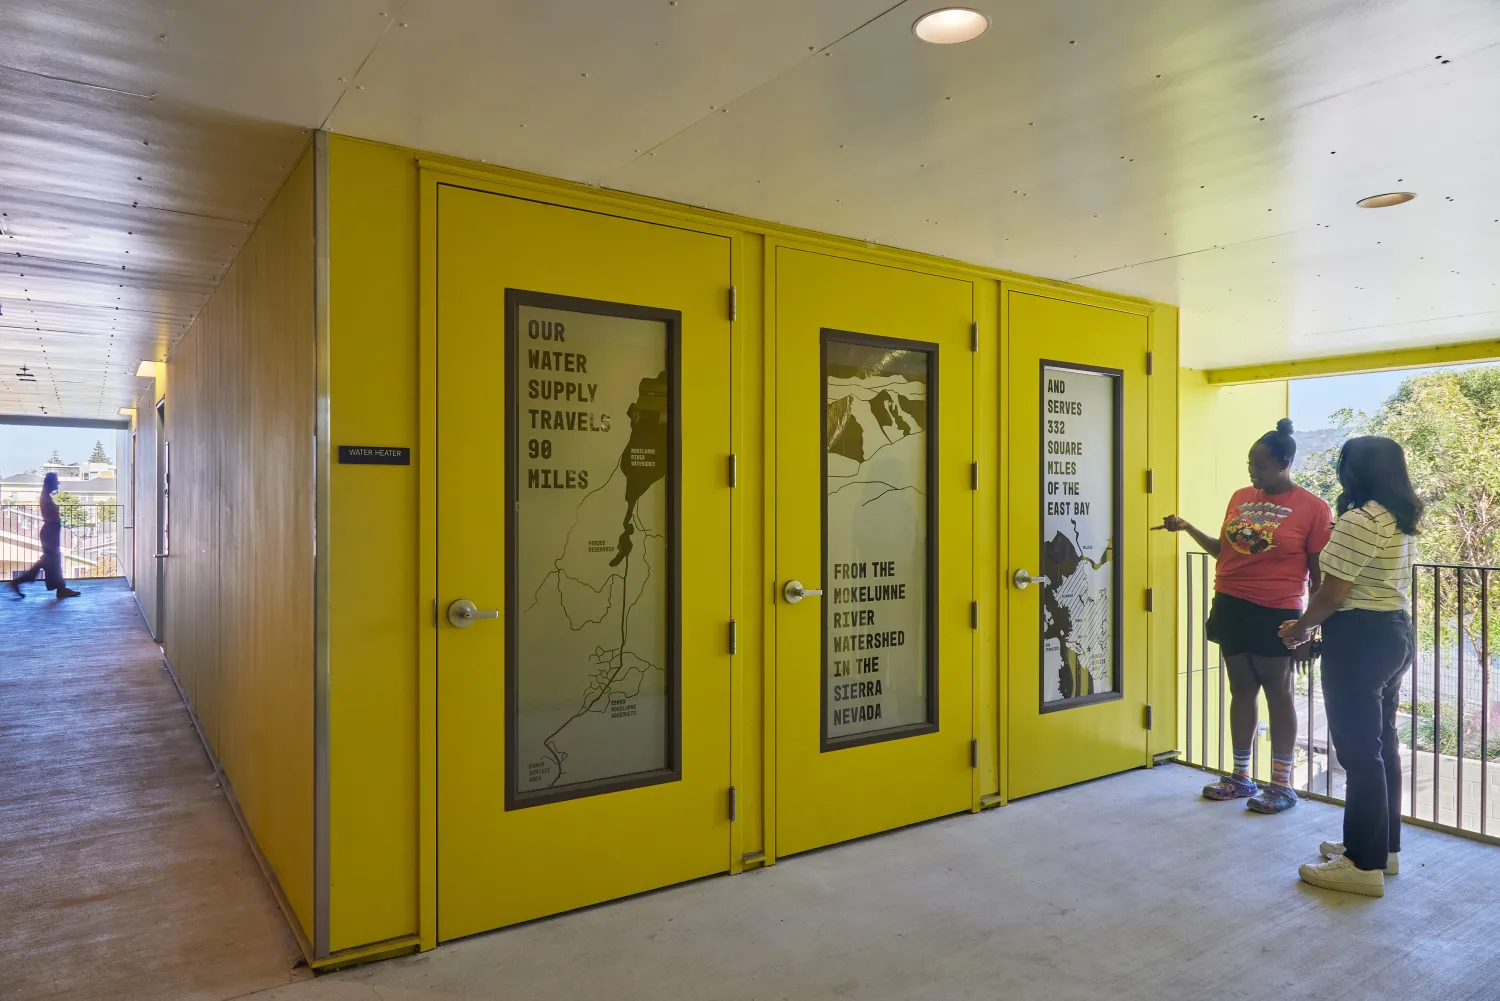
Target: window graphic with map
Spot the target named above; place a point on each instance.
(1078, 525)
(591, 687)
(875, 576)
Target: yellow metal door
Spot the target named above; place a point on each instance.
(874, 509)
(583, 520)
(1076, 667)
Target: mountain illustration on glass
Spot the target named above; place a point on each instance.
(872, 406)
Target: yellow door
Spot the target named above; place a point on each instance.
(583, 519)
(1076, 668)
(874, 509)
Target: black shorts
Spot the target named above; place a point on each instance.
(1240, 626)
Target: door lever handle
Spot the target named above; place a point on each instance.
(1022, 579)
(795, 592)
(463, 613)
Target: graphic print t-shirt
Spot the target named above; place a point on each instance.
(1264, 544)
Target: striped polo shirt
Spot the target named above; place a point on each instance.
(1373, 555)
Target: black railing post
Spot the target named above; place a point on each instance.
(1415, 665)
(1188, 697)
(1459, 797)
(1437, 688)
(1203, 596)
(1484, 699)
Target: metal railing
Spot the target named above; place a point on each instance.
(90, 538)
(1446, 715)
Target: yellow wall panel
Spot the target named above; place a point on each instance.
(373, 593)
(1215, 429)
(238, 619)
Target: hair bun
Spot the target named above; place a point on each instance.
(1284, 425)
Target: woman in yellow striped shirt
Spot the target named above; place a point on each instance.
(1367, 648)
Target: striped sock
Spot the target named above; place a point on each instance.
(1242, 764)
(1281, 770)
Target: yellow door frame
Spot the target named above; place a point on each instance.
(431, 174)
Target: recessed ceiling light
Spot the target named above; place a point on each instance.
(950, 25)
(1385, 200)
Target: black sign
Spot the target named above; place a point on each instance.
(375, 455)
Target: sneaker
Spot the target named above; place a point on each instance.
(1273, 799)
(1230, 787)
(1333, 849)
(67, 592)
(1338, 873)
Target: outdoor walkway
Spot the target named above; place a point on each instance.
(123, 875)
(1127, 888)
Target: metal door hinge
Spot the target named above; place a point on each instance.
(974, 336)
(1148, 717)
(974, 753)
(1149, 597)
(734, 804)
(734, 470)
(974, 476)
(1148, 362)
(1150, 481)
(734, 302)
(973, 615)
(734, 637)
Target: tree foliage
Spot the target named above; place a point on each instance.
(97, 455)
(1449, 424)
(70, 510)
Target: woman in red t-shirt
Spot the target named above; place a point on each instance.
(1270, 540)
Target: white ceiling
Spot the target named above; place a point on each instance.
(1202, 152)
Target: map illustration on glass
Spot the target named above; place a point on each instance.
(1079, 527)
(591, 674)
(878, 442)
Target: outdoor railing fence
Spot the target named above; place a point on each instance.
(1447, 718)
(90, 538)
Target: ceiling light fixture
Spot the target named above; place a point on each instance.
(146, 370)
(127, 411)
(1386, 200)
(950, 25)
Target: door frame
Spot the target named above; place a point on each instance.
(431, 173)
(1161, 442)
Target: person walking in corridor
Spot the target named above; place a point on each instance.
(1272, 534)
(1367, 649)
(51, 537)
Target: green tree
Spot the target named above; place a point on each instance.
(107, 514)
(97, 455)
(1449, 424)
(70, 510)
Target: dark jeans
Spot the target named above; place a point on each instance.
(1365, 655)
(51, 561)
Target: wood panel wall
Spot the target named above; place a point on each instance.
(144, 534)
(239, 619)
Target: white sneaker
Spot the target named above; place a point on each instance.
(1329, 849)
(1338, 873)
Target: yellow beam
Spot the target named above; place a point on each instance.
(1374, 361)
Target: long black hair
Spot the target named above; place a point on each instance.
(1280, 443)
(1372, 468)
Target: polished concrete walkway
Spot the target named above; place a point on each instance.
(123, 875)
(1127, 888)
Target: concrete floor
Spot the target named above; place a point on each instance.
(1130, 887)
(123, 874)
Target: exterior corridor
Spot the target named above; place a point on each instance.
(123, 874)
(1130, 888)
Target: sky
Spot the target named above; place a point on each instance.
(24, 448)
(1310, 401)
